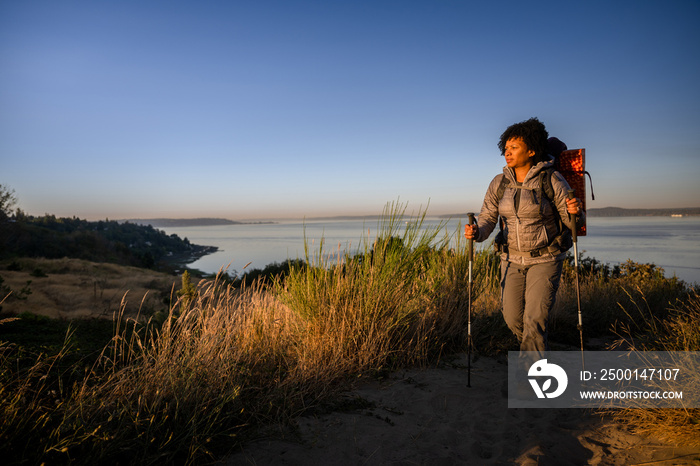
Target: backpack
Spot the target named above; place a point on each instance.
(571, 165)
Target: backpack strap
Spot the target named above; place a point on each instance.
(545, 190)
(545, 186)
(546, 183)
(502, 188)
(590, 180)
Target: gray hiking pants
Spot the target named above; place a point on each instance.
(528, 294)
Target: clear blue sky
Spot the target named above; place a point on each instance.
(260, 109)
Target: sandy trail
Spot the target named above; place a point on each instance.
(430, 417)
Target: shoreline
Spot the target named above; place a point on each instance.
(595, 212)
(183, 260)
(667, 242)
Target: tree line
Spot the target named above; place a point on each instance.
(98, 241)
(123, 243)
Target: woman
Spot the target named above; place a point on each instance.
(534, 243)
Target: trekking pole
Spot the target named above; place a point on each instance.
(470, 252)
(578, 290)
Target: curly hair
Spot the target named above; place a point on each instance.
(533, 134)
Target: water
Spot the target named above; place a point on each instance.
(671, 243)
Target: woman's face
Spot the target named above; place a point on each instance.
(517, 154)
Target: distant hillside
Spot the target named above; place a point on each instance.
(180, 222)
(101, 241)
(185, 222)
(620, 212)
(346, 217)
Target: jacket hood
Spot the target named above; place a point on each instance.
(534, 170)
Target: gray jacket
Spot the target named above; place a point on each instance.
(530, 234)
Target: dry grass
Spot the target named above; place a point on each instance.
(679, 331)
(226, 361)
(402, 298)
(160, 394)
(74, 288)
